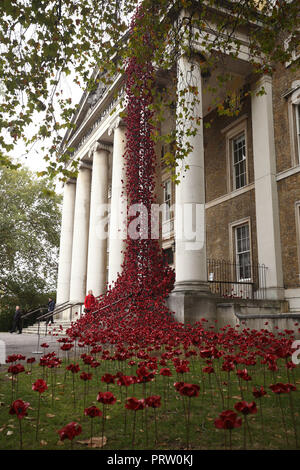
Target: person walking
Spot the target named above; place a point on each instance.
(51, 307)
(17, 321)
(89, 302)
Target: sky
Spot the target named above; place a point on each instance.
(32, 157)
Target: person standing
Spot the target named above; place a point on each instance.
(89, 302)
(51, 307)
(17, 321)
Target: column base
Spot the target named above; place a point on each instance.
(191, 301)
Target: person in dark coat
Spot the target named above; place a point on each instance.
(17, 321)
(51, 307)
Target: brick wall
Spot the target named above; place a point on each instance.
(218, 219)
(215, 151)
(288, 194)
(282, 81)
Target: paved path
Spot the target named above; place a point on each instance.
(24, 344)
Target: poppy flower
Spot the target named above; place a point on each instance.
(153, 401)
(92, 412)
(107, 398)
(30, 360)
(259, 392)
(108, 378)
(246, 408)
(70, 431)
(16, 369)
(85, 376)
(74, 368)
(189, 390)
(19, 408)
(135, 404)
(165, 372)
(228, 420)
(39, 386)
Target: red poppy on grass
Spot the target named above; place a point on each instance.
(19, 408)
(107, 398)
(39, 386)
(70, 431)
(135, 404)
(189, 390)
(246, 408)
(92, 412)
(153, 401)
(228, 420)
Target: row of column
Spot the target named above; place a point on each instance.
(83, 264)
(83, 250)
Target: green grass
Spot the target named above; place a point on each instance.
(56, 413)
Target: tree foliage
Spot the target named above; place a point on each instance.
(29, 237)
(43, 41)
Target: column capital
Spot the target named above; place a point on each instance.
(85, 165)
(265, 79)
(71, 181)
(118, 122)
(98, 146)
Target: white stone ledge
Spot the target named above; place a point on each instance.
(229, 196)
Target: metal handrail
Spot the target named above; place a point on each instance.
(31, 312)
(60, 309)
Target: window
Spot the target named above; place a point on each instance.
(243, 253)
(167, 200)
(293, 99)
(297, 118)
(239, 161)
(236, 153)
(297, 207)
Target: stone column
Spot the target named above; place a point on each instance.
(96, 267)
(191, 298)
(118, 210)
(266, 197)
(66, 242)
(81, 235)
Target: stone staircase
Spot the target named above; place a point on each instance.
(57, 329)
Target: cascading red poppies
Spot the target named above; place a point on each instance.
(146, 279)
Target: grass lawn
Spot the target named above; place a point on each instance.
(59, 406)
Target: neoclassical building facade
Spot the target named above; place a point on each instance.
(244, 170)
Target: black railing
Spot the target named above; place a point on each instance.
(228, 280)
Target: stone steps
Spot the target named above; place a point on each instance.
(58, 328)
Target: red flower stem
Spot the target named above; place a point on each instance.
(293, 418)
(155, 426)
(74, 398)
(230, 440)
(103, 421)
(12, 388)
(248, 429)
(283, 420)
(146, 426)
(38, 418)
(262, 424)
(188, 424)
(228, 387)
(133, 430)
(220, 390)
(21, 439)
(91, 432)
(210, 388)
